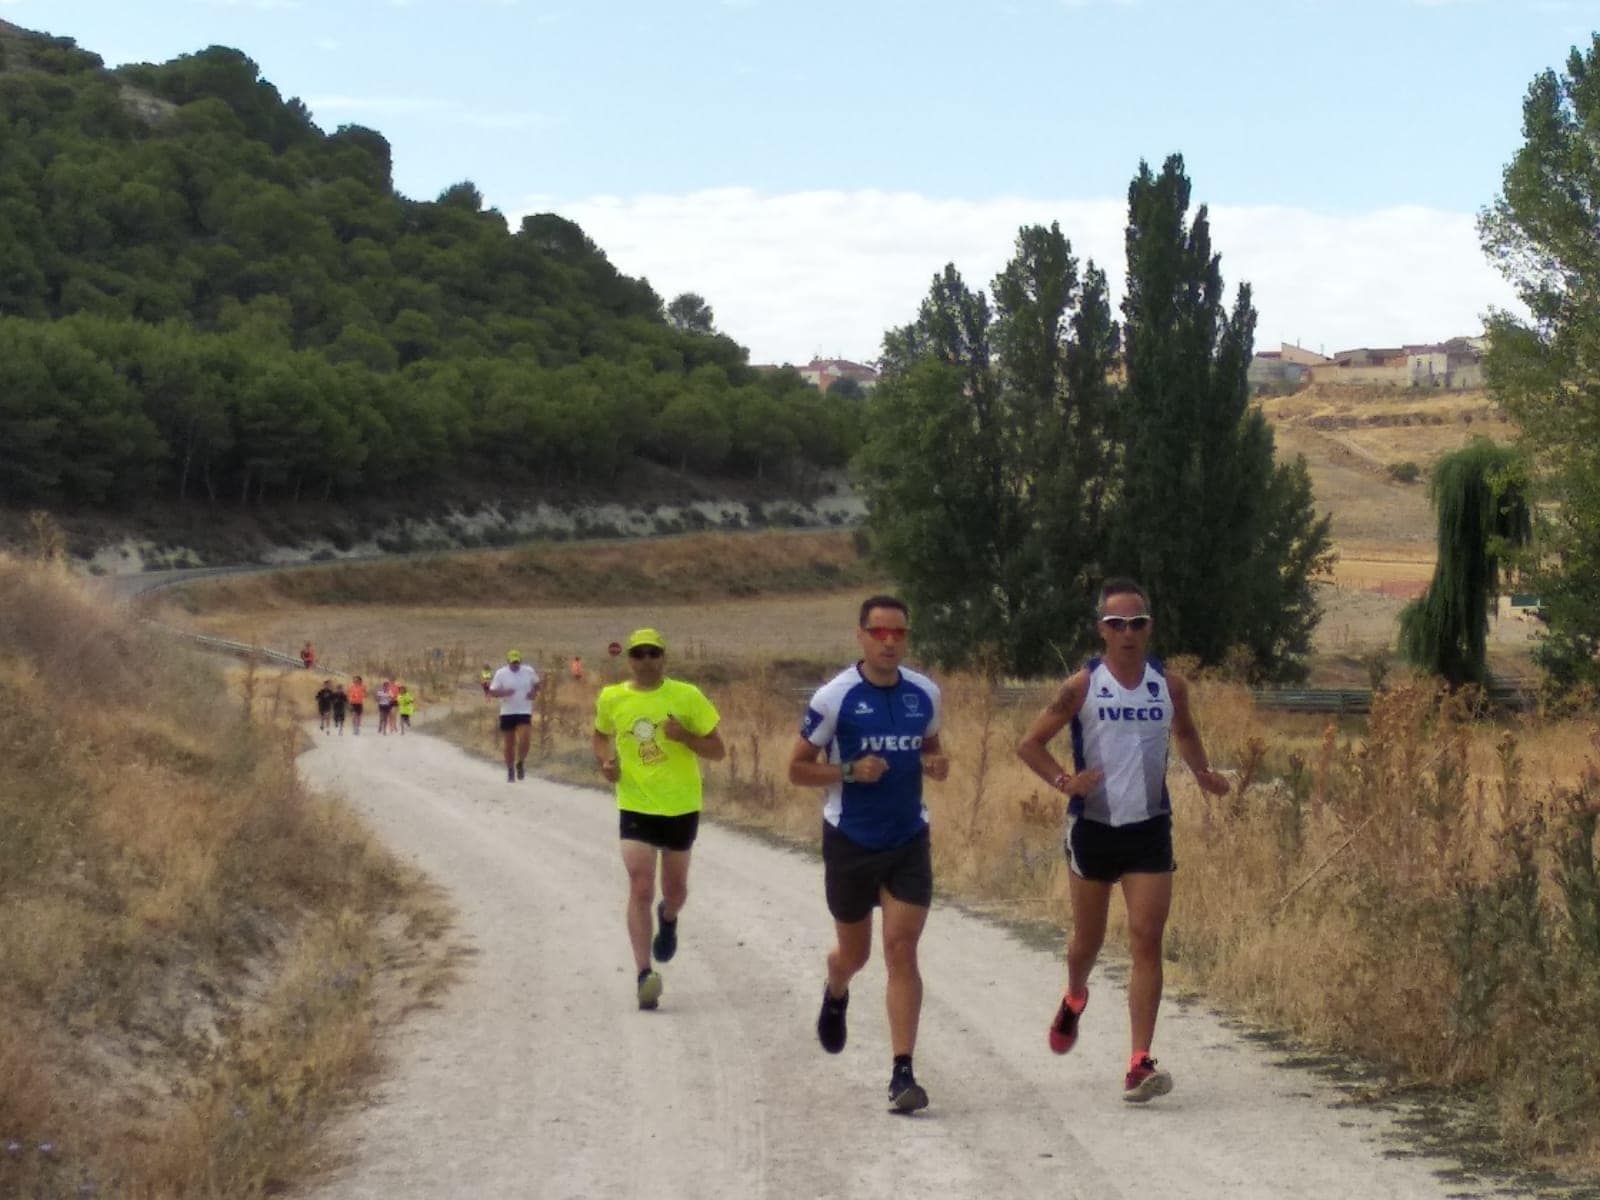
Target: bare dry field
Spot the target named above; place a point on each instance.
(799, 627)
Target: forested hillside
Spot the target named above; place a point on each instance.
(206, 298)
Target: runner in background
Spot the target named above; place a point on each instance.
(385, 705)
(324, 704)
(358, 700)
(308, 656)
(405, 703)
(485, 678)
(575, 668)
(515, 686)
(340, 699)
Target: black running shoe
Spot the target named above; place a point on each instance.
(905, 1093)
(511, 776)
(519, 770)
(665, 944)
(830, 1021)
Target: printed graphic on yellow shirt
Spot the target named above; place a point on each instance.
(644, 732)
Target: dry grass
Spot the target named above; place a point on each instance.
(684, 569)
(191, 943)
(1418, 890)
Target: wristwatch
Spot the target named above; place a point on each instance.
(847, 771)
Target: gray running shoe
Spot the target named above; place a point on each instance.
(905, 1093)
(649, 989)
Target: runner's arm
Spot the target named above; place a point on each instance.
(1187, 735)
(805, 770)
(1034, 748)
(707, 746)
(604, 755)
(935, 762)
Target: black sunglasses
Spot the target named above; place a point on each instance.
(645, 652)
(1118, 624)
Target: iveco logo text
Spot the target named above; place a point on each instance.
(904, 741)
(1154, 713)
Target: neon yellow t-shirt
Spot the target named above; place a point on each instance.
(407, 702)
(659, 776)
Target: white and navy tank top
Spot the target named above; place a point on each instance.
(1123, 732)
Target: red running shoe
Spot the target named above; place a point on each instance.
(1064, 1029)
(1145, 1081)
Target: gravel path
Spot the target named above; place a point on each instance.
(538, 1077)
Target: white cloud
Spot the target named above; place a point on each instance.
(791, 275)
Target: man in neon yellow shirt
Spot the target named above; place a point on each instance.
(650, 733)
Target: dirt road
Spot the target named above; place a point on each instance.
(538, 1076)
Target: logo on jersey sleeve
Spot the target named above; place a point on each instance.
(809, 723)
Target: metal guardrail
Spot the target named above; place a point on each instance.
(239, 649)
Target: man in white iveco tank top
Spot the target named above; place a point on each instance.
(1121, 707)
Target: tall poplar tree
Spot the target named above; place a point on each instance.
(1227, 540)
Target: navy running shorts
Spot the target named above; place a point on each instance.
(1105, 853)
(853, 875)
(664, 833)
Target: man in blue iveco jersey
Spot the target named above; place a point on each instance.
(869, 736)
(1122, 706)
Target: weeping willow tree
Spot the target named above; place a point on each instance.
(1483, 512)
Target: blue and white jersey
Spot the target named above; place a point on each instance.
(1123, 732)
(851, 717)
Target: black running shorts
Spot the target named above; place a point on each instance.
(853, 875)
(1105, 853)
(664, 833)
(356, 708)
(509, 721)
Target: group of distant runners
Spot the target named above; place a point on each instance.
(868, 737)
(396, 702)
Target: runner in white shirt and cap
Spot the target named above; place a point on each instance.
(1122, 706)
(515, 685)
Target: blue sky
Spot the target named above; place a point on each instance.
(808, 165)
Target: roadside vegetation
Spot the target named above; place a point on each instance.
(196, 954)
